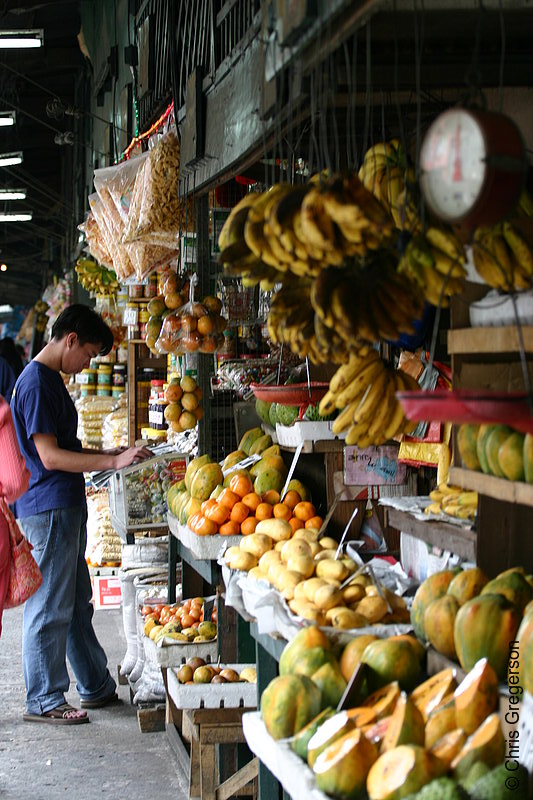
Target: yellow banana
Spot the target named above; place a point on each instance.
(519, 247)
(372, 397)
(348, 371)
(345, 418)
(384, 412)
(358, 385)
(446, 242)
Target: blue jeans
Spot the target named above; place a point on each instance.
(58, 617)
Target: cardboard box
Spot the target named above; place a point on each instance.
(106, 592)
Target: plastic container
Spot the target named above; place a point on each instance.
(150, 288)
(119, 374)
(104, 377)
(136, 290)
(118, 391)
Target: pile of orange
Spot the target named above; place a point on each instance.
(238, 509)
(189, 613)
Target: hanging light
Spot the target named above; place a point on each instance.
(10, 159)
(3, 267)
(13, 194)
(7, 118)
(21, 39)
(15, 216)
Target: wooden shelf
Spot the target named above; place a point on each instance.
(439, 534)
(489, 340)
(498, 488)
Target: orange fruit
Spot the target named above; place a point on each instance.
(295, 524)
(281, 511)
(292, 498)
(252, 500)
(239, 512)
(206, 527)
(314, 522)
(248, 525)
(271, 497)
(205, 325)
(218, 513)
(241, 485)
(263, 511)
(303, 510)
(230, 528)
(228, 498)
(207, 504)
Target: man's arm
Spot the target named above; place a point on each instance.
(56, 458)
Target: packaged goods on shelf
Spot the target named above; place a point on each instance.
(115, 428)
(91, 413)
(103, 544)
(121, 261)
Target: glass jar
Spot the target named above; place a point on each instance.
(104, 375)
(135, 291)
(119, 375)
(144, 316)
(150, 288)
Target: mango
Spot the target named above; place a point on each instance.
(511, 457)
(278, 529)
(482, 438)
(493, 443)
(467, 443)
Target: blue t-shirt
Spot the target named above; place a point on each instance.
(7, 379)
(42, 404)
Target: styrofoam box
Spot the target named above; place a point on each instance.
(293, 773)
(177, 653)
(213, 695)
(305, 431)
(204, 547)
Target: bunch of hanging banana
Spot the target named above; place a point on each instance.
(503, 257)
(385, 173)
(95, 277)
(435, 260)
(365, 389)
(371, 302)
(454, 501)
(291, 321)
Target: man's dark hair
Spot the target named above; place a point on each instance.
(86, 324)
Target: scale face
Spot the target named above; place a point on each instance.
(472, 166)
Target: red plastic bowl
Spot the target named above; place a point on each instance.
(293, 395)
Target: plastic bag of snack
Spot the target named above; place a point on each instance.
(95, 241)
(154, 212)
(121, 261)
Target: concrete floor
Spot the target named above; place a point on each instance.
(108, 758)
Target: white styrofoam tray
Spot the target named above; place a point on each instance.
(174, 653)
(213, 695)
(305, 431)
(294, 775)
(208, 548)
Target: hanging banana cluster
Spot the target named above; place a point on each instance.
(435, 260)
(370, 302)
(503, 257)
(293, 322)
(96, 278)
(386, 174)
(364, 388)
(302, 229)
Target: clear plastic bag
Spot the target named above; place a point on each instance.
(95, 240)
(122, 263)
(191, 328)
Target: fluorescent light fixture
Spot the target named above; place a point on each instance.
(6, 309)
(3, 267)
(10, 159)
(21, 39)
(12, 194)
(12, 216)
(7, 118)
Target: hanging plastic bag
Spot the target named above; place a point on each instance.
(122, 263)
(191, 328)
(95, 241)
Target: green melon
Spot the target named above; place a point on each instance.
(273, 414)
(494, 441)
(467, 443)
(528, 457)
(511, 457)
(262, 407)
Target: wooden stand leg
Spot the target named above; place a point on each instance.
(208, 772)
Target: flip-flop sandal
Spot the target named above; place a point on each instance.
(101, 702)
(65, 714)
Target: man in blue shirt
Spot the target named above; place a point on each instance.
(53, 514)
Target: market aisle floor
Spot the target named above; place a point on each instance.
(108, 758)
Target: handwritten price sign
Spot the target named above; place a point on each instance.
(373, 466)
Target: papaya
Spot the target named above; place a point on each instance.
(312, 659)
(267, 480)
(431, 589)
(406, 725)
(520, 669)
(305, 639)
(449, 746)
(329, 680)
(231, 474)
(511, 457)
(528, 457)
(297, 486)
(482, 437)
(193, 466)
(487, 744)
(273, 450)
(351, 655)
(388, 661)
(493, 443)
(249, 438)
(401, 772)
(439, 619)
(513, 586)
(476, 697)
(288, 703)
(300, 740)
(484, 626)
(383, 701)
(330, 730)
(467, 443)
(192, 506)
(272, 461)
(430, 694)
(342, 768)
(417, 646)
(205, 480)
(260, 444)
(467, 584)
(440, 722)
(233, 458)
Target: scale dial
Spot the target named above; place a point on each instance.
(472, 166)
